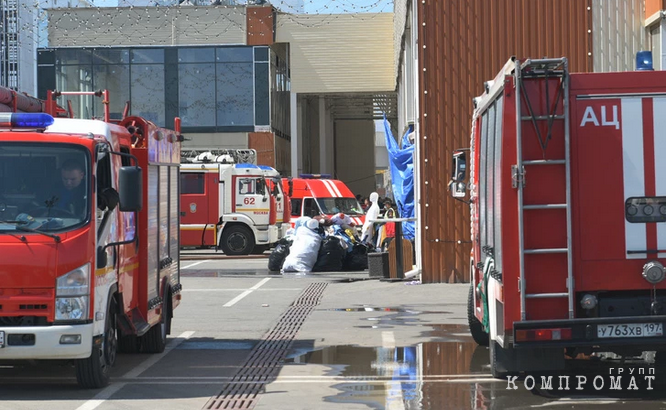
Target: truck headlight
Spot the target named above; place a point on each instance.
(71, 308)
(74, 283)
(72, 293)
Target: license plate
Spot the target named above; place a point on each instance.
(630, 330)
(2, 339)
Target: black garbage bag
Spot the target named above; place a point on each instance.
(278, 256)
(331, 255)
(357, 259)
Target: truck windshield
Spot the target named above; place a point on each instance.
(43, 187)
(349, 206)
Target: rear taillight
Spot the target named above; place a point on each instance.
(543, 334)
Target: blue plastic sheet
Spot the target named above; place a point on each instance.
(401, 166)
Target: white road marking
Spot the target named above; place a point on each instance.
(242, 290)
(135, 372)
(247, 292)
(193, 264)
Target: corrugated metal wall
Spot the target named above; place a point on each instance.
(339, 52)
(461, 45)
(146, 26)
(618, 32)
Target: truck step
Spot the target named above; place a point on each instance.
(546, 206)
(546, 295)
(546, 250)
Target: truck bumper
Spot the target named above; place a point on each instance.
(43, 342)
(585, 332)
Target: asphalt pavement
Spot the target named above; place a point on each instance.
(250, 338)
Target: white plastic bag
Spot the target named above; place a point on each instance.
(303, 252)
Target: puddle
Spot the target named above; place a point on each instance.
(452, 375)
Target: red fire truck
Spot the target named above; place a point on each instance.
(568, 200)
(229, 202)
(93, 269)
(317, 194)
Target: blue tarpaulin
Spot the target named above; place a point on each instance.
(401, 165)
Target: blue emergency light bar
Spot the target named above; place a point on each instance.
(644, 61)
(25, 120)
(315, 176)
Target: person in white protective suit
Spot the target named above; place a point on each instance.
(373, 212)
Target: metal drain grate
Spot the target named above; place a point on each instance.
(266, 359)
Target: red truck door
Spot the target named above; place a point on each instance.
(194, 204)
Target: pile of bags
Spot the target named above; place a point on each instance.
(314, 247)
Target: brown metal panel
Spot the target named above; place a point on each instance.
(264, 143)
(461, 45)
(260, 25)
(653, 6)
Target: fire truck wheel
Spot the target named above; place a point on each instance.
(475, 326)
(154, 341)
(237, 240)
(93, 372)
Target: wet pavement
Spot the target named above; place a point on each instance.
(363, 344)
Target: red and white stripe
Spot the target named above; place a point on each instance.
(644, 174)
(332, 189)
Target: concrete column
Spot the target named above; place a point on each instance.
(323, 137)
(295, 138)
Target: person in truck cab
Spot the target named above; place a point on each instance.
(71, 197)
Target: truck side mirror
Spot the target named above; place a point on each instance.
(130, 188)
(457, 186)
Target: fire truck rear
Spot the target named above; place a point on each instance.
(88, 238)
(229, 202)
(568, 204)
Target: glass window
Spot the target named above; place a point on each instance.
(234, 55)
(234, 94)
(196, 94)
(116, 79)
(148, 55)
(44, 186)
(196, 55)
(261, 54)
(348, 206)
(310, 207)
(192, 183)
(296, 207)
(110, 56)
(78, 78)
(73, 56)
(261, 95)
(246, 186)
(148, 92)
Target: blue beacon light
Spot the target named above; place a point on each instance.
(25, 120)
(644, 61)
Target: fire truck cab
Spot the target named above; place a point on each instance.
(89, 239)
(317, 194)
(227, 204)
(568, 204)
